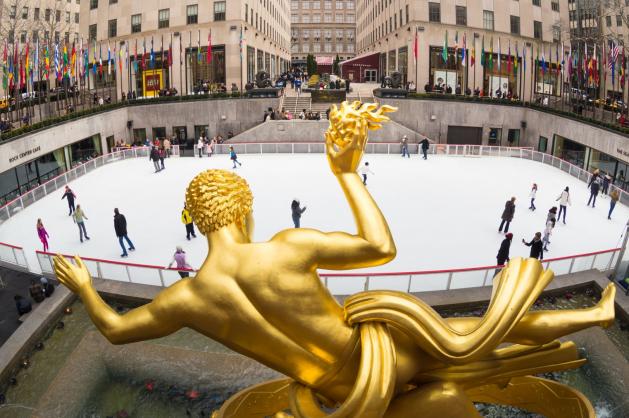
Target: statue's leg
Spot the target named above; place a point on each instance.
(433, 400)
(541, 327)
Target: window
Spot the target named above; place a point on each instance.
(338, 18)
(92, 32)
(316, 48)
(515, 25)
(537, 2)
(93, 4)
(537, 29)
(349, 5)
(434, 12)
(317, 5)
(305, 18)
(349, 18)
(163, 18)
(76, 18)
(542, 145)
(488, 20)
(339, 5)
(67, 17)
(192, 14)
(112, 1)
(12, 12)
(57, 36)
(35, 36)
(618, 20)
(23, 37)
(136, 23)
(24, 12)
(339, 47)
(58, 15)
(47, 15)
(11, 36)
(219, 10)
(112, 28)
(327, 5)
(608, 21)
(305, 5)
(294, 18)
(554, 5)
(461, 15)
(36, 13)
(316, 18)
(327, 18)
(556, 33)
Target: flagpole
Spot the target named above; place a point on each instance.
(181, 66)
(185, 57)
(417, 61)
(474, 49)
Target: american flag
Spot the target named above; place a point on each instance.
(613, 54)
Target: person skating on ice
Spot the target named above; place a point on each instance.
(154, 156)
(200, 145)
(537, 247)
(120, 226)
(503, 253)
(614, 196)
(532, 196)
(179, 258)
(547, 233)
(564, 201)
(552, 214)
(424, 144)
(404, 145)
(186, 219)
(43, 234)
(296, 212)
(162, 155)
(233, 156)
(507, 215)
(595, 186)
(69, 194)
(364, 170)
(79, 217)
(606, 181)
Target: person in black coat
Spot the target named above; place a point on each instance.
(424, 146)
(347, 82)
(120, 225)
(503, 253)
(69, 194)
(154, 156)
(507, 215)
(36, 291)
(595, 186)
(22, 305)
(296, 212)
(537, 246)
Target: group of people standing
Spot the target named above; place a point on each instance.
(423, 145)
(600, 182)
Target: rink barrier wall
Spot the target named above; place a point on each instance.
(13, 256)
(407, 281)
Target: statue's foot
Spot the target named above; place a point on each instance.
(606, 306)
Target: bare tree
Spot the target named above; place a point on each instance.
(14, 19)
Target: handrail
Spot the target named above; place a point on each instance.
(4, 244)
(119, 263)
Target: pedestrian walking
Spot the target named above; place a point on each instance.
(364, 170)
(200, 145)
(43, 234)
(179, 258)
(507, 215)
(154, 156)
(614, 196)
(233, 156)
(537, 247)
(296, 212)
(532, 196)
(69, 194)
(606, 181)
(595, 186)
(186, 219)
(564, 201)
(405, 147)
(424, 144)
(78, 218)
(503, 252)
(120, 226)
(547, 233)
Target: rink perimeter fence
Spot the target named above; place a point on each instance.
(416, 281)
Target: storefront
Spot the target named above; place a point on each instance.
(547, 79)
(501, 77)
(445, 73)
(570, 151)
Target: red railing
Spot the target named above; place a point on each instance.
(13, 256)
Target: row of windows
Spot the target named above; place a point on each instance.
(608, 20)
(318, 48)
(47, 16)
(35, 36)
(268, 28)
(316, 18)
(163, 16)
(327, 5)
(327, 33)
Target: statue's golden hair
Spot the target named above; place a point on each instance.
(217, 198)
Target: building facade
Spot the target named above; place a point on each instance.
(323, 28)
(533, 28)
(160, 44)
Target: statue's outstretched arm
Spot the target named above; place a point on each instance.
(146, 322)
(372, 244)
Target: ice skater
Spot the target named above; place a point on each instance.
(179, 258)
(564, 201)
(233, 157)
(503, 253)
(296, 212)
(548, 231)
(606, 181)
(595, 186)
(43, 234)
(364, 170)
(154, 156)
(507, 215)
(162, 155)
(405, 147)
(69, 194)
(120, 225)
(537, 247)
(200, 145)
(612, 202)
(78, 217)
(186, 219)
(210, 148)
(424, 144)
(552, 214)
(532, 196)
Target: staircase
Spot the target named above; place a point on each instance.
(296, 104)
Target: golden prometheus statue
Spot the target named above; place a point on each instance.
(382, 354)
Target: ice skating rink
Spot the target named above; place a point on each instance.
(444, 213)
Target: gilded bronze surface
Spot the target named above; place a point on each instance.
(384, 353)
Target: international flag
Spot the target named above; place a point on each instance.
(509, 59)
(464, 51)
(444, 52)
(152, 57)
(108, 59)
(73, 61)
(57, 72)
(543, 61)
(47, 61)
(473, 54)
(516, 59)
(490, 64)
(136, 61)
(499, 54)
(100, 59)
(483, 59)
(209, 47)
(199, 55)
(456, 47)
(120, 60)
(5, 71)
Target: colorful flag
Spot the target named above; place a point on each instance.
(509, 59)
(199, 55)
(499, 54)
(152, 57)
(415, 46)
(120, 60)
(108, 59)
(209, 47)
(464, 50)
(456, 48)
(543, 61)
(490, 64)
(5, 71)
(516, 59)
(47, 61)
(444, 52)
(473, 54)
(483, 59)
(73, 61)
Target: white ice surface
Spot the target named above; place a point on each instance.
(444, 213)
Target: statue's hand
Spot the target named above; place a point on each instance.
(344, 153)
(74, 277)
